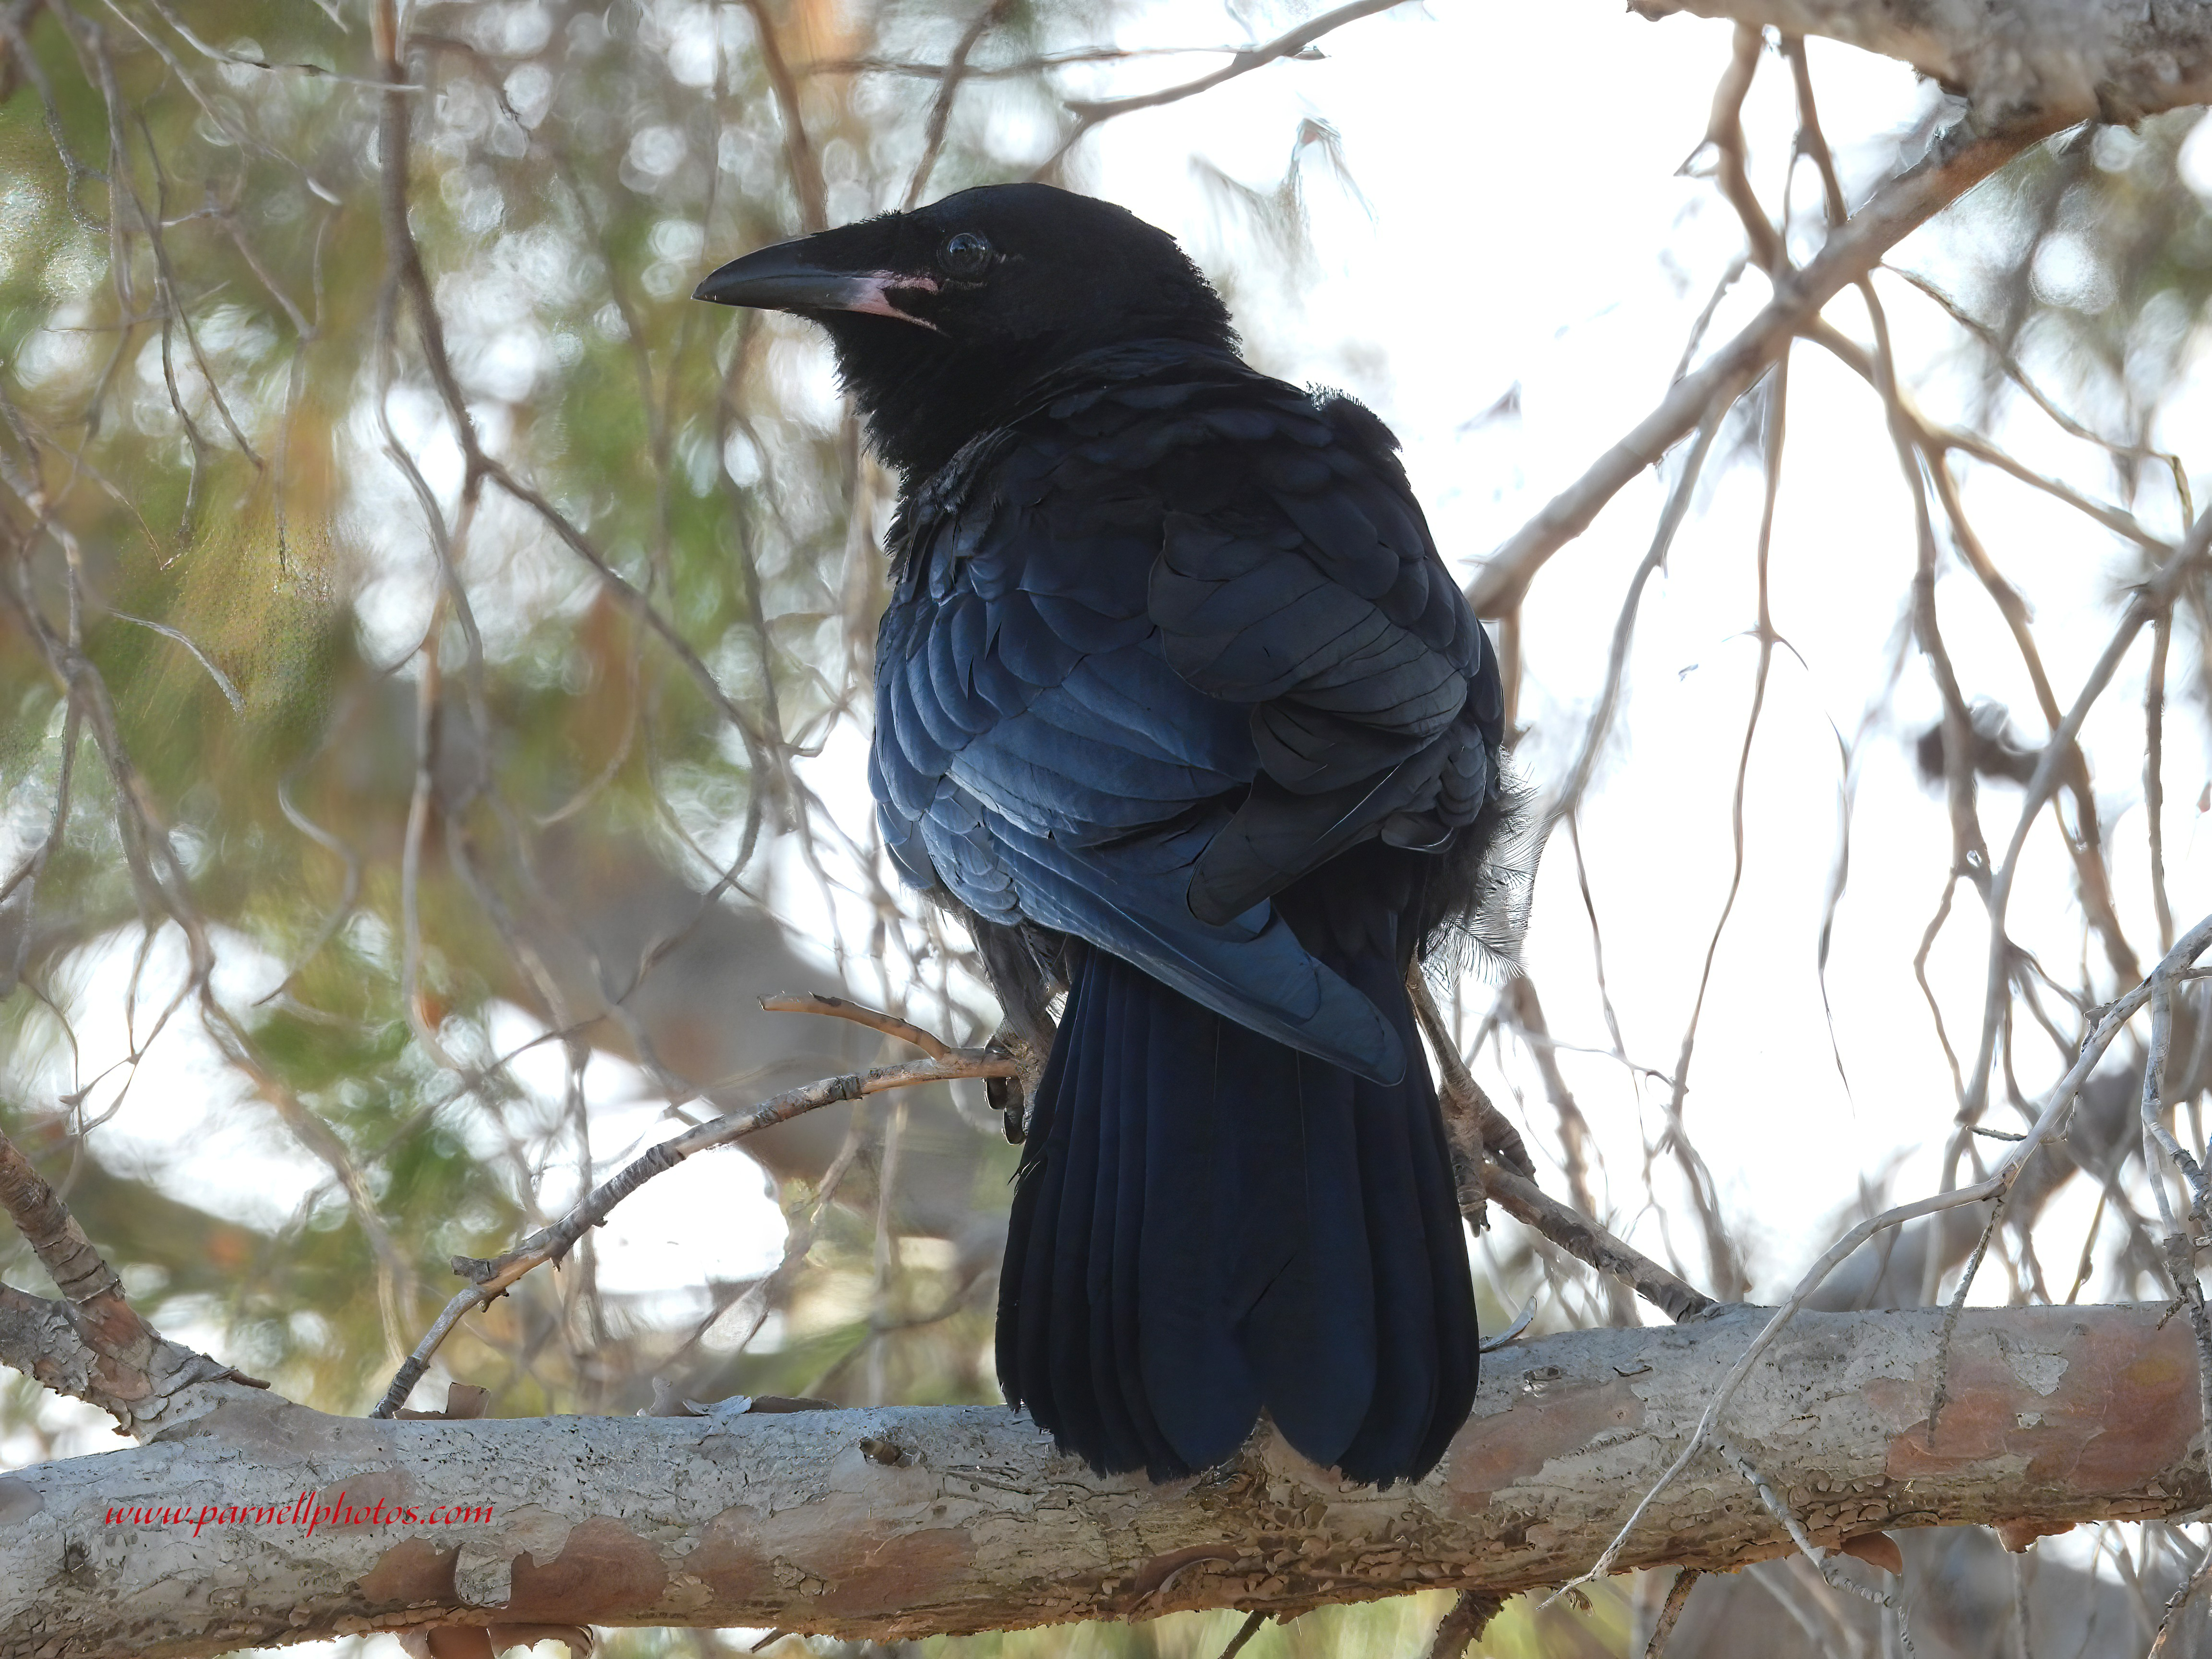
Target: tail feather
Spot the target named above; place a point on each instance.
(1024, 1330)
(1125, 1441)
(1125, 1259)
(1458, 1342)
(1200, 1386)
(1208, 1223)
(1311, 1330)
(1074, 1184)
(1410, 1320)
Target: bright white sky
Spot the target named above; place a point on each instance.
(1520, 219)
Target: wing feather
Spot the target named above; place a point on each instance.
(1157, 650)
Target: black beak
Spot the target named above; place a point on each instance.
(785, 277)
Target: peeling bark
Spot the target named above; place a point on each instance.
(2018, 62)
(94, 1346)
(2055, 1414)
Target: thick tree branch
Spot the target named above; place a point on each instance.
(2031, 64)
(963, 1518)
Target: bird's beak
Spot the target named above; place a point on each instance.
(787, 278)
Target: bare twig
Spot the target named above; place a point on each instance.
(1600, 726)
(93, 1344)
(1952, 167)
(1941, 1394)
(2057, 1108)
(2148, 600)
(2177, 1605)
(1295, 42)
(1678, 1593)
(948, 88)
(1245, 1632)
(815, 1002)
(490, 1278)
(1728, 1272)
(1461, 1092)
(798, 149)
(2154, 776)
(1724, 133)
(1463, 1622)
(1582, 1238)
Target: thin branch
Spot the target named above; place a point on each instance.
(1296, 43)
(2152, 598)
(490, 1278)
(1569, 795)
(806, 166)
(1498, 1137)
(1586, 1241)
(78, 1270)
(2019, 377)
(2177, 1605)
(1019, 67)
(93, 1345)
(1953, 166)
(1727, 1270)
(2154, 773)
(1463, 1623)
(815, 1002)
(1678, 1594)
(1245, 1632)
(1942, 439)
(948, 88)
(1940, 1393)
(1724, 133)
(2051, 1121)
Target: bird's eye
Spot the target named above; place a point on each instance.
(964, 254)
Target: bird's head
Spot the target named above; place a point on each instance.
(944, 316)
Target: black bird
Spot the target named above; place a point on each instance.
(1177, 705)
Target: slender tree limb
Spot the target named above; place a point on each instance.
(1491, 1162)
(1586, 1241)
(490, 1278)
(1461, 1092)
(1245, 1632)
(806, 180)
(948, 89)
(77, 1268)
(1954, 164)
(815, 1002)
(94, 1344)
(1295, 43)
(1290, 43)
(1678, 1594)
(2051, 1121)
(2176, 1606)
(1465, 1620)
(2150, 600)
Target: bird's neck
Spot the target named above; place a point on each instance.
(924, 401)
(921, 400)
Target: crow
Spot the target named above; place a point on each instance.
(1178, 707)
